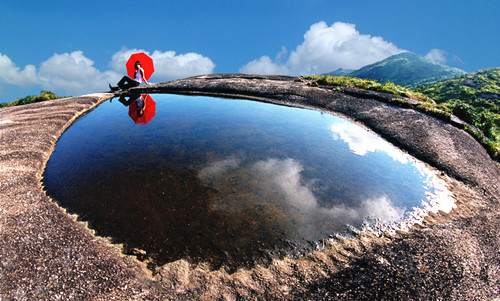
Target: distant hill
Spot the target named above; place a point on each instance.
(340, 72)
(475, 98)
(406, 69)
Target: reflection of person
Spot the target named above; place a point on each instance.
(141, 105)
(139, 101)
(126, 82)
(131, 98)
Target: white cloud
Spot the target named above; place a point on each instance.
(168, 64)
(284, 175)
(279, 191)
(361, 141)
(218, 168)
(327, 48)
(11, 74)
(281, 179)
(264, 65)
(437, 56)
(74, 74)
(174, 66)
(380, 208)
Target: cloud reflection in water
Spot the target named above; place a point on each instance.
(361, 141)
(279, 183)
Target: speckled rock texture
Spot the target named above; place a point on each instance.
(47, 254)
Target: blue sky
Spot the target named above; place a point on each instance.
(77, 47)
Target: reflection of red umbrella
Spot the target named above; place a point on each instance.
(146, 64)
(149, 111)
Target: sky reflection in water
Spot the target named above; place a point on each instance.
(229, 182)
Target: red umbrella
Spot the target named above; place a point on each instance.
(149, 111)
(146, 64)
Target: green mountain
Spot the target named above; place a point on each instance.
(407, 69)
(340, 72)
(475, 98)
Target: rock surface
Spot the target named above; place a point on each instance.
(47, 254)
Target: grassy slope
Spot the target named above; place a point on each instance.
(44, 95)
(475, 98)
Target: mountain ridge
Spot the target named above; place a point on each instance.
(405, 69)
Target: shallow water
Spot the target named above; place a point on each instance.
(229, 182)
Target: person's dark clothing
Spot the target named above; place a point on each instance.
(127, 82)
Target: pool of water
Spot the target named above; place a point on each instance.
(230, 183)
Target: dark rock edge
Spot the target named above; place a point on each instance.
(47, 253)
